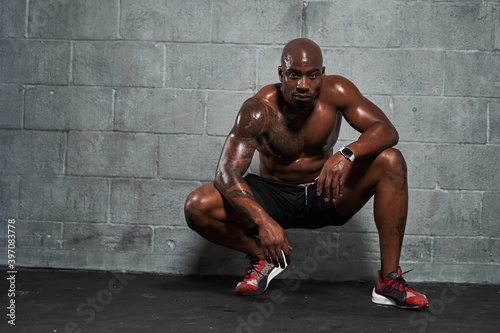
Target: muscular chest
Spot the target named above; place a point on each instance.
(288, 141)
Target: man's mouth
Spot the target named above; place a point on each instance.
(303, 97)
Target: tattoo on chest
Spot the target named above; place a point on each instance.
(282, 140)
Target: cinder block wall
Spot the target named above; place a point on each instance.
(112, 111)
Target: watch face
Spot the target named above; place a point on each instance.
(347, 152)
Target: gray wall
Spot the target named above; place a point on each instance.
(111, 112)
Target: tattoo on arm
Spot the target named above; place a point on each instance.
(241, 194)
(234, 161)
(240, 145)
(238, 152)
(244, 211)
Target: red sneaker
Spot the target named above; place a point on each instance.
(259, 274)
(394, 290)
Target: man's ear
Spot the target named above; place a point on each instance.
(280, 73)
(323, 71)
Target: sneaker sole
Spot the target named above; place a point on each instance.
(276, 271)
(383, 300)
(272, 275)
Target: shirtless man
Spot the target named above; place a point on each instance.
(294, 125)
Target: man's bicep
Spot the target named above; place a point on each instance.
(241, 142)
(237, 154)
(362, 113)
(357, 110)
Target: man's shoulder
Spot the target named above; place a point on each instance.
(269, 93)
(338, 90)
(337, 82)
(260, 104)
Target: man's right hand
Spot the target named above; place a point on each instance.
(273, 240)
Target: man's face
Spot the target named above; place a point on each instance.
(301, 75)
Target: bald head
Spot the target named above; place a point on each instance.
(301, 73)
(301, 50)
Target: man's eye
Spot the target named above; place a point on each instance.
(292, 75)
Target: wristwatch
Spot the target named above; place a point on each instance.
(347, 153)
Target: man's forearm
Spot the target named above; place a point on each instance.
(237, 192)
(374, 140)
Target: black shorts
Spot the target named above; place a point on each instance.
(294, 206)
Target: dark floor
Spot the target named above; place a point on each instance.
(52, 301)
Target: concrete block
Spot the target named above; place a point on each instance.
(407, 72)
(107, 238)
(112, 154)
(490, 214)
(341, 271)
(494, 122)
(319, 244)
(31, 152)
(422, 164)
(416, 249)
(34, 62)
(347, 23)
(129, 64)
(151, 202)
(189, 157)
(160, 110)
(441, 119)
(74, 19)
(268, 60)
(472, 250)
(181, 241)
(38, 258)
(64, 199)
(258, 21)
(12, 18)
(469, 167)
(9, 197)
(458, 273)
(212, 66)
(337, 62)
(478, 68)
(11, 106)
(217, 260)
(444, 213)
(69, 108)
(359, 247)
(159, 263)
(39, 235)
(222, 109)
(130, 263)
(166, 20)
(497, 30)
(446, 25)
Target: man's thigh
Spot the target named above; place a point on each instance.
(211, 201)
(363, 178)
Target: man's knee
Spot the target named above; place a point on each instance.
(194, 208)
(202, 205)
(393, 162)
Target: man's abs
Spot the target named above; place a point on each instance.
(300, 171)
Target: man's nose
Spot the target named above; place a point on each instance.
(303, 84)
